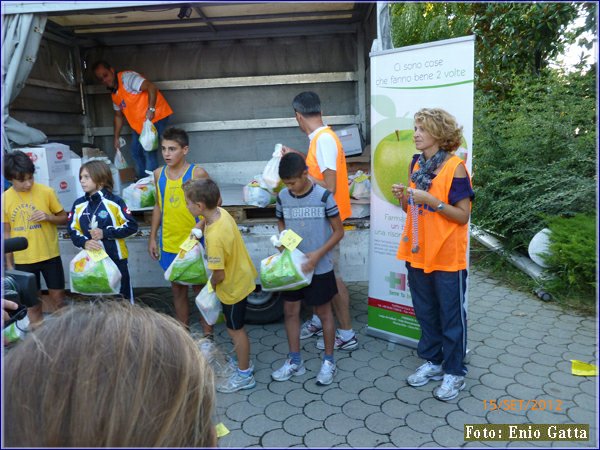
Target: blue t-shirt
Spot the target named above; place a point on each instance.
(307, 215)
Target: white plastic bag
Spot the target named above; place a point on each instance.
(89, 277)
(209, 305)
(149, 136)
(360, 186)
(189, 268)
(120, 162)
(141, 194)
(270, 173)
(257, 194)
(283, 271)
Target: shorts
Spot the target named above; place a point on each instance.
(166, 258)
(235, 314)
(51, 269)
(320, 291)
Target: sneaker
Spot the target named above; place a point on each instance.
(426, 372)
(288, 370)
(227, 367)
(235, 383)
(310, 329)
(450, 387)
(328, 370)
(339, 344)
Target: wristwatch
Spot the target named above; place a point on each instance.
(151, 109)
(440, 206)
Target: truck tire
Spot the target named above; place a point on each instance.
(268, 308)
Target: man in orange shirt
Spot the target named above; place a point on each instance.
(136, 99)
(326, 163)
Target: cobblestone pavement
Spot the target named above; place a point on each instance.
(520, 349)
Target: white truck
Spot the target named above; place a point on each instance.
(229, 71)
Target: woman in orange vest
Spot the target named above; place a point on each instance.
(434, 246)
(136, 99)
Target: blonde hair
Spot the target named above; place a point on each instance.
(442, 126)
(108, 374)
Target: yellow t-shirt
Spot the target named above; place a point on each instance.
(225, 250)
(42, 237)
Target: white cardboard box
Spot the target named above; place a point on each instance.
(75, 164)
(350, 139)
(65, 187)
(50, 159)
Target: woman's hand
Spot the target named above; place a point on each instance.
(423, 197)
(398, 191)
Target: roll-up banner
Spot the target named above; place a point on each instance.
(434, 75)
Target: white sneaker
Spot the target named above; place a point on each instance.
(289, 370)
(236, 382)
(310, 329)
(426, 372)
(450, 387)
(328, 370)
(339, 343)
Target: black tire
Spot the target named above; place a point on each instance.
(267, 312)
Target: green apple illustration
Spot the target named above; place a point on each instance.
(391, 160)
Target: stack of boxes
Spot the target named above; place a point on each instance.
(52, 163)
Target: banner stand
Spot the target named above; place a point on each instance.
(404, 80)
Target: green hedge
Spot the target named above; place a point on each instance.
(535, 155)
(572, 255)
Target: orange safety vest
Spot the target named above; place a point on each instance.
(442, 243)
(134, 106)
(342, 192)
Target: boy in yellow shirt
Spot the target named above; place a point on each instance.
(32, 210)
(233, 274)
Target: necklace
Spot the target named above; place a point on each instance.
(93, 221)
(180, 174)
(414, 214)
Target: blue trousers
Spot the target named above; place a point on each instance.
(439, 301)
(146, 160)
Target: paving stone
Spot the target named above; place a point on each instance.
(586, 401)
(374, 396)
(322, 438)
(381, 423)
(241, 411)
(543, 359)
(481, 361)
(492, 348)
(581, 415)
(525, 342)
(239, 439)
(560, 391)
(534, 335)
(283, 387)
(532, 381)
(368, 374)
(404, 437)
(397, 409)
(363, 437)
(362, 355)
(520, 392)
(280, 439)
(436, 408)
(589, 387)
(582, 349)
(501, 370)
(566, 379)
(552, 350)
(414, 396)
(471, 406)
(259, 424)
(500, 416)
(280, 411)
(458, 419)
(353, 385)
(337, 397)
(512, 360)
(448, 437)
(380, 364)
(341, 424)
(299, 397)
(357, 409)
(539, 370)
(423, 422)
(386, 384)
(300, 425)
(475, 373)
(538, 416)
(269, 357)
(319, 410)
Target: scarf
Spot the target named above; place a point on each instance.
(423, 177)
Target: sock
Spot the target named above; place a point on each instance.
(316, 321)
(295, 357)
(245, 373)
(346, 335)
(328, 358)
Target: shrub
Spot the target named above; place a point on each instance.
(535, 154)
(572, 255)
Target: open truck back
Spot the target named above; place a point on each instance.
(228, 70)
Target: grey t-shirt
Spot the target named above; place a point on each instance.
(307, 216)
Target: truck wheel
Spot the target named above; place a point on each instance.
(264, 307)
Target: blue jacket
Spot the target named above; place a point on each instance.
(113, 217)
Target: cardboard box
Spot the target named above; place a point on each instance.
(65, 187)
(75, 166)
(49, 159)
(350, 139)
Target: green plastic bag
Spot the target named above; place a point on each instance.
(189, 268)
(91, 277)
(283, 271)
